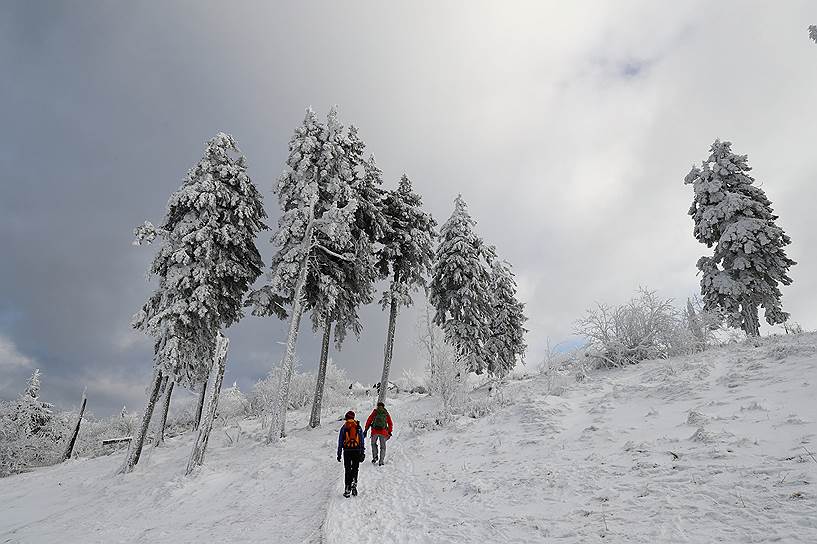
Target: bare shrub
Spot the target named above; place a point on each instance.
(233, 404)
(646, 327)
(265, 392)
(301, 392)
(792, 327)
(561, 368)
(481, 407)
(445, 368)
(708, 327)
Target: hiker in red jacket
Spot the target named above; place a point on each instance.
(380, 423)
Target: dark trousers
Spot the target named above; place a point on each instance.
(351, 462)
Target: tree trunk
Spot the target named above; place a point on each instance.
(751, 326)
(389, 349)
(71, 443)
(160, 432)
(200, 405)
(135, 449)
(277, 428)
(315, 417)
(216, 377)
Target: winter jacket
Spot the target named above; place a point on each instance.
(342, 436)
(389, 426)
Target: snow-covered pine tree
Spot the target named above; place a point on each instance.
(326, 293)
(32, 414)
(30, 431)
(506, 343)
(207, 263)
(461, 287)
(352, 279)
(407, 256)
(315, 208)
(33, 385)
(749, 261)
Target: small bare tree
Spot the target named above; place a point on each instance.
(707, 326)
(446, 368)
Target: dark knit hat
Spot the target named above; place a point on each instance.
(350, 415)
(381, 405)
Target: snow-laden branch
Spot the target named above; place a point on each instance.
(147, 233)
(345, 256)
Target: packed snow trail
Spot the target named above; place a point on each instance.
(415, 499)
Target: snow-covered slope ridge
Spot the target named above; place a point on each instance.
(715, 447)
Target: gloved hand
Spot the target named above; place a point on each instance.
(388, 436)
(338, 458)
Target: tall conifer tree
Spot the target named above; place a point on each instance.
(749, 262)
(506, 343)
(461, 287)
(206, 264)
(317, 216)
(407, 257)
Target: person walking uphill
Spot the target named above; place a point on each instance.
(350, 443)
(382, 427)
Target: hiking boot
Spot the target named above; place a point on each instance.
(381, 462)
(354, 490)
(374, 460)
(347, 492)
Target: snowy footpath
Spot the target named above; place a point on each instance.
(716, 447)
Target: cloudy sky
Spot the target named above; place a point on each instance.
(567, 126)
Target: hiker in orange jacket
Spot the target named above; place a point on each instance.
(380, 423)
(350, 443)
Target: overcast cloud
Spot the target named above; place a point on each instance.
(567, 126)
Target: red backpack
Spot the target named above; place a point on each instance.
(351, 439)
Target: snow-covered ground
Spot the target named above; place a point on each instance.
(708, 448)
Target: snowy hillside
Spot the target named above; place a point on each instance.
(708, 448)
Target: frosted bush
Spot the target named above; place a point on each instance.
(21, 450)
(31, 434)
(265, 392)
(647, 327)
(481, 407)
(447, 374)
(302, 390)
(446, 370)
(232, 404)
(336, 387)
